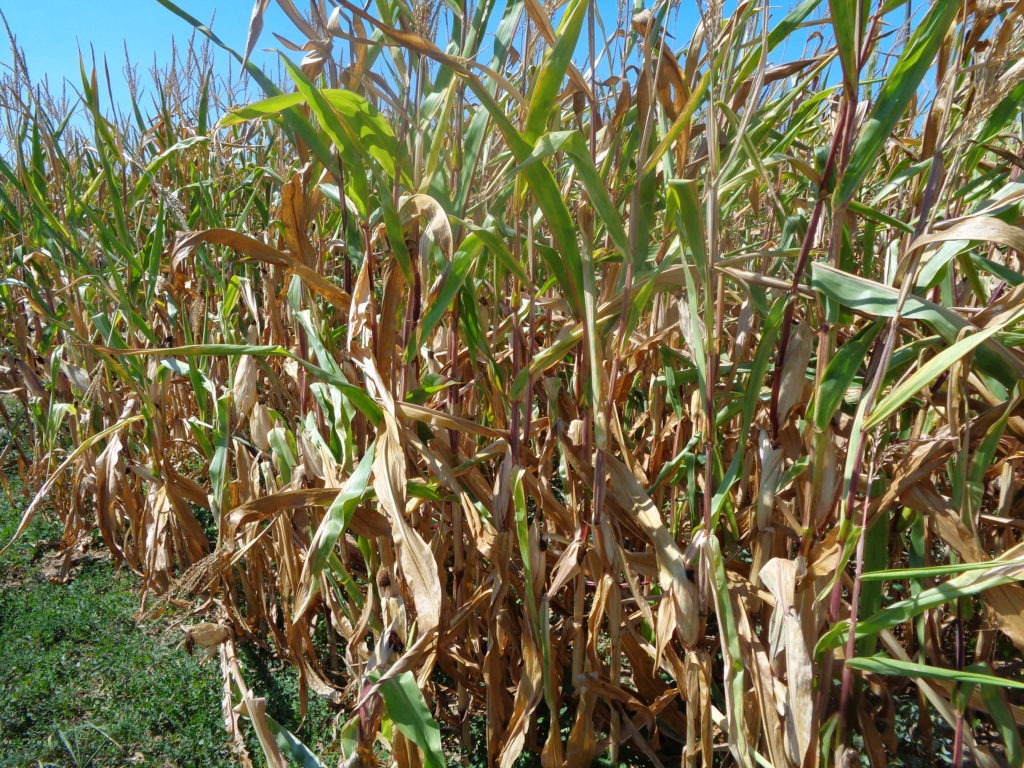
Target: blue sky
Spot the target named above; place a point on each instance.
(52, 32)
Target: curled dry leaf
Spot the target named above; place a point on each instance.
(794, 371)
(243, 390)
(436, 227)
(418, 567)
(255, 26)
(186, 243)
(365, 521)
(208, 636)
(672, 569)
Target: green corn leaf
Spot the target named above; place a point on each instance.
(849, 20)
(556, 62)
(451, 283)
(575, 146)
(875, 299)
(999, 118)
(334, 524)
(405, 705)
(999, 710)
(927, 572)
(899, 88)
(964, 585)
(291, 746)
(883, 665)
(927, 373)
(840, 373)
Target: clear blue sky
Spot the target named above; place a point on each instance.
(52, 32)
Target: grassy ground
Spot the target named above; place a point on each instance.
(81, 684)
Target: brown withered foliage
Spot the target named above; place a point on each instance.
(654, 401)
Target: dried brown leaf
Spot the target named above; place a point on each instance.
(253, 248)
(255, 26)
(365, 522)
(414, 555)
(671, 565)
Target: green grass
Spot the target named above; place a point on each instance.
(82, 684)
(79, 668)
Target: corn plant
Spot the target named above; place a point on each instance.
(654, 401)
